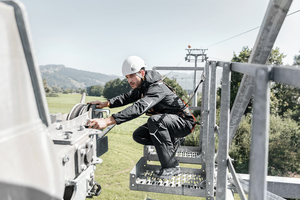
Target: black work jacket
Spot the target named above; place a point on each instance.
(152, 97)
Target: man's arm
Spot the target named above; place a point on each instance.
(124, 99)
(100, 104)
(153, 96)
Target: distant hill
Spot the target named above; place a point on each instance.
(64, 77)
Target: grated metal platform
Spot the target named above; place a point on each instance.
(189, 182)
(185, 154)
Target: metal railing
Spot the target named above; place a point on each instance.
(262, 74)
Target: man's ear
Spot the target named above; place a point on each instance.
(142, 73)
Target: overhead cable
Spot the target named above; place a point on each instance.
(245, 32)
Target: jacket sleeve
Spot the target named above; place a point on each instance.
(154, 95)
(124, 99)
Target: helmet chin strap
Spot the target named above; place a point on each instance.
(139, 75)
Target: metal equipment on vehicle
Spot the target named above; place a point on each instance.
(42, 156)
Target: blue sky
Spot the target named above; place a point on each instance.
(97, 35)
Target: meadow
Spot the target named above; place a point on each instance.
(123, 153)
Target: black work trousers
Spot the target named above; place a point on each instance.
(160, 131)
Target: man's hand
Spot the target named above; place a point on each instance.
(99, 104)
(97, 123)
(101, 123)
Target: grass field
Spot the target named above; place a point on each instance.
(123, 154)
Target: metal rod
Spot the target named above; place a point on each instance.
(245, 68)
(236, 181)
(178, 68)
(194, 108)
(286, 75)
(205, 103)
(195, 84)
(83, 98)
(210, 161)
(224, 134)
(260, 136)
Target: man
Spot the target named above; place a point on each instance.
(169, 121)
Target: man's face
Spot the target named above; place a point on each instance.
(134, 80)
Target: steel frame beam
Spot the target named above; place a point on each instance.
(210, 152)
(224, 134)
(205, 102)
(34, 71)
(283, 186)
(178, 68)
(260, 136)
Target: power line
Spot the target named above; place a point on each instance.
(245, 32)
(171, 70)
(233, 37)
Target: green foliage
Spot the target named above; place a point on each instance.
(285, 101)
(284, 143)
(56, 89)
(275, 58)
(115, 87)
(197, 113)
(52, 95)
(95, 90)
(236, 77)
(46, 88)
(178, 89)
(80, 90)
(297, 59)
(67, 91)
(243, 56)
(240, 147)
(193, 138)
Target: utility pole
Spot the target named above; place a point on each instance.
(195, 53)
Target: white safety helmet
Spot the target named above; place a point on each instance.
(132, 64)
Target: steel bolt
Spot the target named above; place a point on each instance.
(83, 167)
(81, 128)
(66, 158)
(68, 134)
(60, 127)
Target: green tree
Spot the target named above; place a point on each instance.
(80, 90)
(285, 101)
(115, 87)
(68, 91)
(297, 59)
(46, 88)
(236, 77)
(240, 146)
(178, 89)
(275, 58)
(56, 89)
(284, 143)
(95, 90)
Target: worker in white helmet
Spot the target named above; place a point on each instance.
(169, 122)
